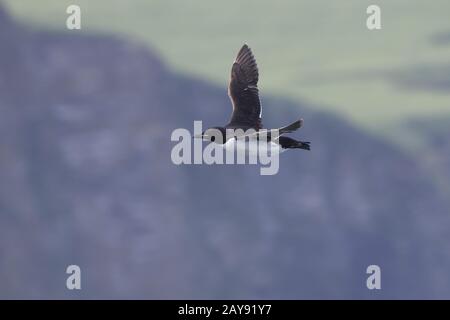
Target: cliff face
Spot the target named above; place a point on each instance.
(86, 178)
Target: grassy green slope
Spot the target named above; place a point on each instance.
(318, 50)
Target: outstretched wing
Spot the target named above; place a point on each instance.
(243, 91)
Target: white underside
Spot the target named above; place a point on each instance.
(252, 147)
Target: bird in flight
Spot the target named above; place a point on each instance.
(244, 94)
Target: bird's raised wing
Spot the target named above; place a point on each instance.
(243, 91)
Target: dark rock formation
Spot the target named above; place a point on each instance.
(86, 178)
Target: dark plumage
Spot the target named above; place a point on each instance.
(243, 92)
(244, 95)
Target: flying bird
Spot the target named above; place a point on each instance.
(247, 111)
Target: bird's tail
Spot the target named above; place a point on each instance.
(289, 143)
(305, 145)
(292, 127)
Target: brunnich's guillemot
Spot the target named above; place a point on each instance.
(246, 116)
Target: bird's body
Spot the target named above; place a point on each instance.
(247, 111)
(252, 147)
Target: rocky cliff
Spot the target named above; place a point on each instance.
(86, 178)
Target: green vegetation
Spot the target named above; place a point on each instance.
(319, 51)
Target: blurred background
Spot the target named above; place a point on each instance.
(86, 176)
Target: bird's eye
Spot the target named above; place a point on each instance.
(213, 138)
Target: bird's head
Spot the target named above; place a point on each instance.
(214, 134)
